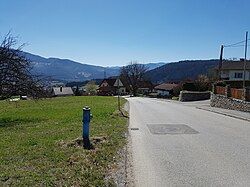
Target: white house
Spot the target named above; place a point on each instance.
(165, 89)
(233, 71)
(62, 91)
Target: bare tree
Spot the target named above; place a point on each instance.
(202, 83)
(132, 75)
(15, 71)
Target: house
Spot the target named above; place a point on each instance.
(165, 89)
(111, 86)
(233, 71)
(145, 87)
(62, 91)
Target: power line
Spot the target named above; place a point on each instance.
(240, 46)
(232, 45)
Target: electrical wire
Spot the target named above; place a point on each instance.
(239, 46)
(234, 44)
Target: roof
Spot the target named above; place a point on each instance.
(113, 82)
(110, 81)
(62, 91)
(145, 84)
(166, 86)
(235, 65)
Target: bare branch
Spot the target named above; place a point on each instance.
(132, 75)
(15, 75)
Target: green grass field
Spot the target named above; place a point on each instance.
(31, 149)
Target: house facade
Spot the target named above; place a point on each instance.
(165, 89)
(111, 86)
(62, 91)
(234, 71)
(145, 87)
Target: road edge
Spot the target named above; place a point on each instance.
(222, 113)
(123, 175)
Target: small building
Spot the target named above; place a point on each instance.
(111, 86)
(62, 91)
(165, 89)
(233, 71)
(145, 87)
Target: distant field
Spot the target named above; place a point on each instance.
(31, 148)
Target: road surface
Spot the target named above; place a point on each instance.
(176, 144)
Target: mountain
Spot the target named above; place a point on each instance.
(181, 70)
(152, 65)
(68, 70)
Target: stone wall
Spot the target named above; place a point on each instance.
(194, 96)
(222, 101)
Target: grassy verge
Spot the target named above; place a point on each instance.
(30, 152)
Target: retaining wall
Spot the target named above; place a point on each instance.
(221, 101)
(194, 96)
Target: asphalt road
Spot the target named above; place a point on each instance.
(211, 150)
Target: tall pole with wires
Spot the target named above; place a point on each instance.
(245, 62)
(221, 59)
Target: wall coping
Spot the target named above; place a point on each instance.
(234, 99)
(185, 91)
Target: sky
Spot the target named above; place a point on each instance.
(115, 32)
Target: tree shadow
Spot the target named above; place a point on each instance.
(10, 121)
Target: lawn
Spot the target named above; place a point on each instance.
(35, 136)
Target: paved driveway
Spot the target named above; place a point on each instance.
(179, 145)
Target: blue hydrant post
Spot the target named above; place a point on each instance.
(85, 127)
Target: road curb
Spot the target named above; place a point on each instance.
(230, 115)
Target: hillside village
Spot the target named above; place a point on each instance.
(231, 74)
(217, 86)
(124, 93)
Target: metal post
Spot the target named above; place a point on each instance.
(119, 104)
(245, 63)
(85, 127)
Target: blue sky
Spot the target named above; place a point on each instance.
(114, 32)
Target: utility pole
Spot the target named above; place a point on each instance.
(245, 62)
(221, 59)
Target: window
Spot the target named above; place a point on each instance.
(238, 75)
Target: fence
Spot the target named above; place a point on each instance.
(220, 90)
(248, 94)
(233, 92)
(236, 93)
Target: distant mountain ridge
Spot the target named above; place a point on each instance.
(178, 71)
(68, 70)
